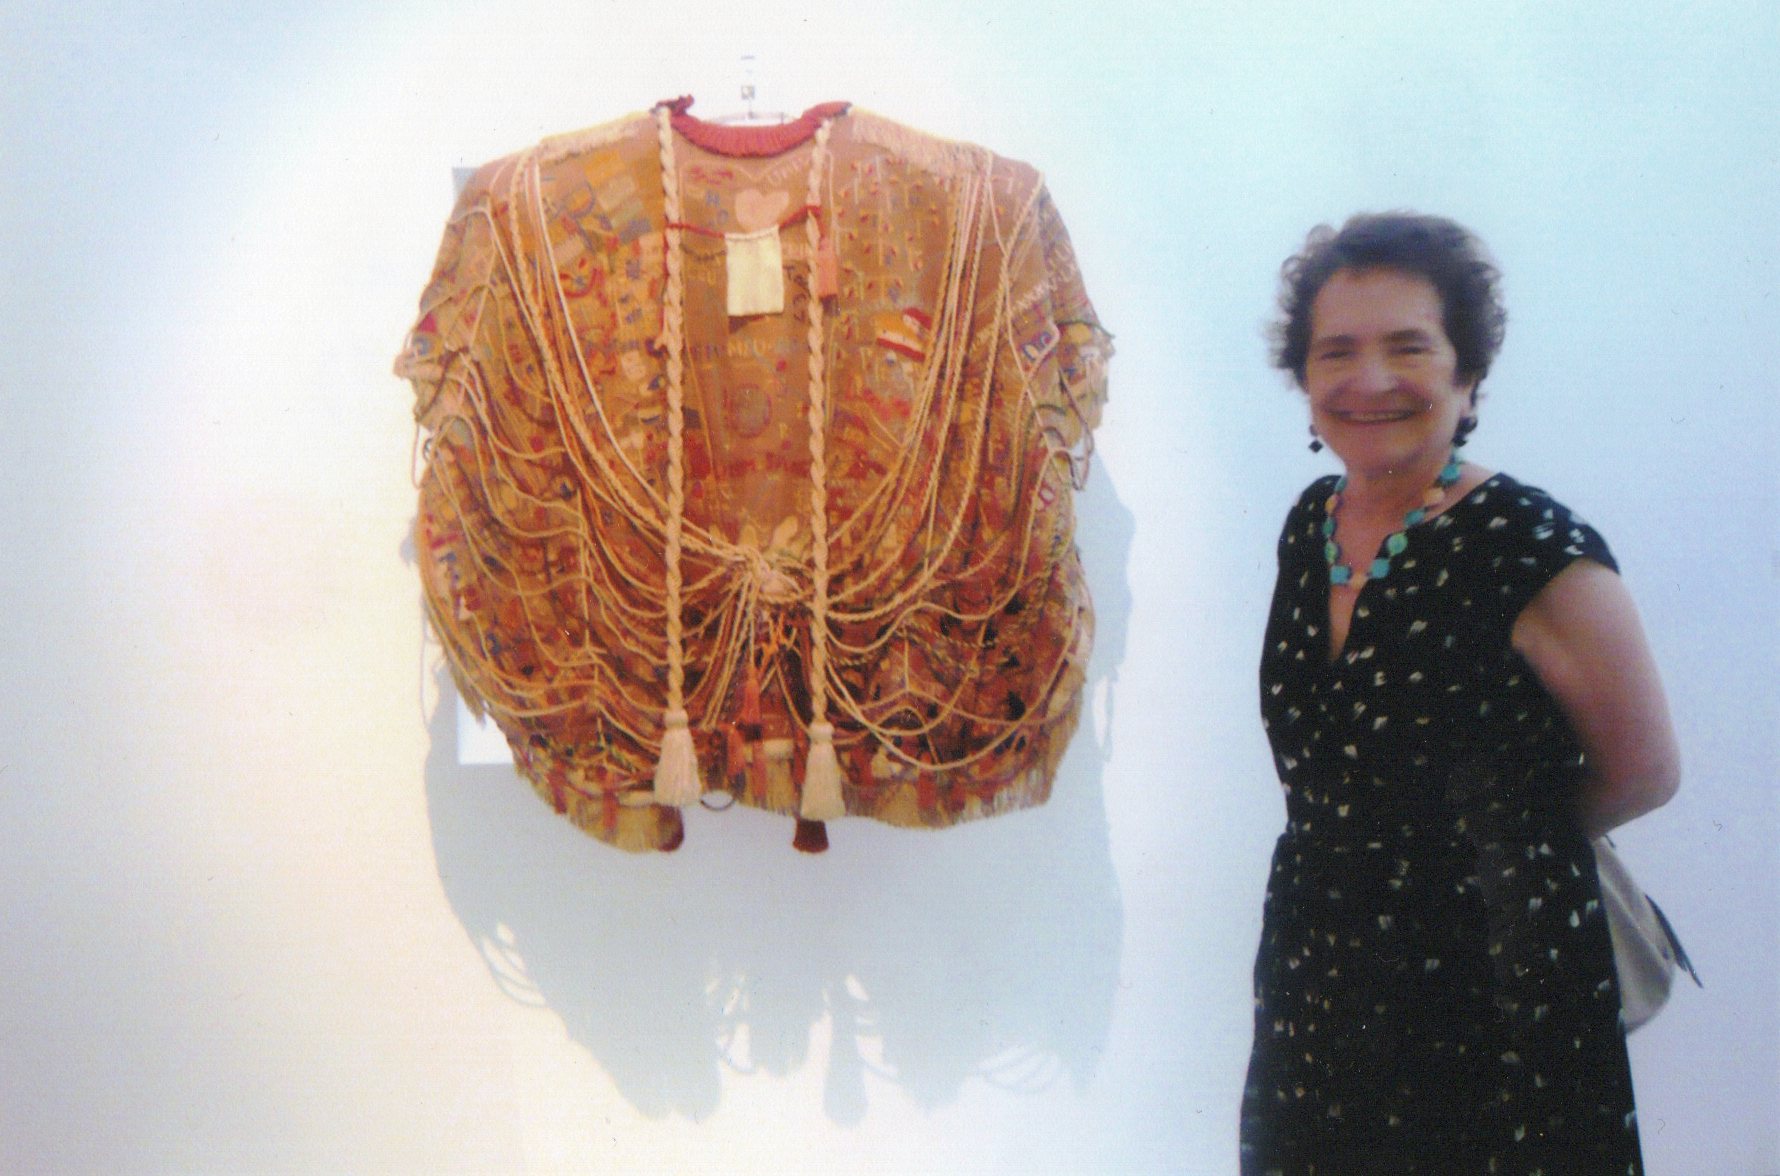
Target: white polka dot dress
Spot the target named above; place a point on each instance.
(1434, 990)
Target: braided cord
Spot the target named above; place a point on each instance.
(673, 342)
(818, 419)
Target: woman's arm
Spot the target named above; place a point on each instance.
(1582, 637)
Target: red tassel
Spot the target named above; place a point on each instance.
(735, 757)
(754, 764)
(750, 716)
(757, 773)
(811, 837)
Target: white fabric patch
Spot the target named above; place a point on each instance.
(756, 272)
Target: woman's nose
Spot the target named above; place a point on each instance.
(1372, 374)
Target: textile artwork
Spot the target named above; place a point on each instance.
(748, 465)
(1434, 989)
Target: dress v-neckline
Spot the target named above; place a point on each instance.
(1335, 653)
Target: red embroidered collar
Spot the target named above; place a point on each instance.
(745, 140)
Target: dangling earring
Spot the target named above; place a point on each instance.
(1316, 442)
(1467, 423)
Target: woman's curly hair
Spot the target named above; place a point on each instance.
(1447, 254)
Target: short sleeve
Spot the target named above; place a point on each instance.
(1531, 538)
(1062, 328)
(454, 298)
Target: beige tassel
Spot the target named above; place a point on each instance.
(822, 777)
(676, 772)
(822, 769)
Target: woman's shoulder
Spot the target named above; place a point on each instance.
(1304, 520)
(1507, 492)
(1530, 523)
(1315, 494)
(1504, 499)
(1310, 502)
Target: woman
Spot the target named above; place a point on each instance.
(1453, 720)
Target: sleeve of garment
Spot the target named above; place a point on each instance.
(1534, 537)
(1062, 328)
(453, 301)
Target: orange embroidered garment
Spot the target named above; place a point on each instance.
(748, 468)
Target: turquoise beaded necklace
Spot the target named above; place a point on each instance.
(1340, 573)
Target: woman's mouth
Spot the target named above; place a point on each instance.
(1375, 418)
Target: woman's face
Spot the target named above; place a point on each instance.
(1381, 373)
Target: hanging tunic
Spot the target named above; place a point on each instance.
(863, 508)
(1435, 989)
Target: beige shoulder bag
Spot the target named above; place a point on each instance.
(1646, 950)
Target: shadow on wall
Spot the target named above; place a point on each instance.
(989, 950)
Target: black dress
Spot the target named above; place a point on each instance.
(1435, 989)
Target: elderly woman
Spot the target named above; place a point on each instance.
(1459, 696)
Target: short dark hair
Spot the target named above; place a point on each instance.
(1444, 252)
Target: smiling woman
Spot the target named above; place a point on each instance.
(1383, 380)
(1435, 989)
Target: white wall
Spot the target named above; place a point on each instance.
(256, 916)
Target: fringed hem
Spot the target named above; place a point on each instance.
(908, 804)
(634, 829)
